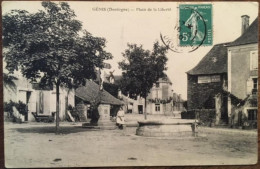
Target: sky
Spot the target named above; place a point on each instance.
(140, 26)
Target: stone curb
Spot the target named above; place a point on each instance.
(228, 131)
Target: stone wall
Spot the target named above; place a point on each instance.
(202, 94)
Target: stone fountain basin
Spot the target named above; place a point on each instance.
(165, 128)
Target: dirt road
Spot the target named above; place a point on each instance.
(36, 145)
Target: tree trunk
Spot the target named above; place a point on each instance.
(57, 107)
(145, 113)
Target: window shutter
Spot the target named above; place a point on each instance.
(253, 60)
(249, 86)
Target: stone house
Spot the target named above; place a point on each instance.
(207, 79)
(226, 79)
(243, 73)
(41, 100)
(159, 100)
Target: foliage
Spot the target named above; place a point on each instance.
(206, 116)
(162, 101)
(8, 107)
(8, 81)
(185, 105)
(188, 114)
(50, 47)
(111, 88)
(20, 106)
(46, 45)
(70, 107)
(142, 68)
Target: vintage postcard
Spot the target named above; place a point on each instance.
(100, 84)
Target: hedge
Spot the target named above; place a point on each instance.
(188, 114)
(205, 116)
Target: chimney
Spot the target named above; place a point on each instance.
(245, 23)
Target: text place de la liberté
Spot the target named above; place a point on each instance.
(110, 9)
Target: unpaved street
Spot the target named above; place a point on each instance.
(36, 145)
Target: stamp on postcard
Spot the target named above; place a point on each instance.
(195, 24)
(192, 30)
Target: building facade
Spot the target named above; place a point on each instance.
(226, 79)
(243, 74)
(159, 100)
(41, 100)
(207, 79)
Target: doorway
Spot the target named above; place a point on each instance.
(140, 109)
(24, 97)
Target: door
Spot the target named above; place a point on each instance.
(140, 109)
(24, 97)
(28, 95)
(224, 111)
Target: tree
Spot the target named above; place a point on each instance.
(50, 46)
(8, 81)
(141, 69)
(111, 88)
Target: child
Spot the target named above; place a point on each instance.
(120, 120)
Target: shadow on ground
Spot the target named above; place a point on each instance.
(51, 129)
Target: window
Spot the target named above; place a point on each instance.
(255, 83)
(252, 85)
(253, 60)
(252, 114)
(209, 79)
(157, 107)
(157, 84)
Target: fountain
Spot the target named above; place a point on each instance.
(167, 128)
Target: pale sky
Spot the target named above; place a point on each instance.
(144, 27)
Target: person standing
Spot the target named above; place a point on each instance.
(120, 118)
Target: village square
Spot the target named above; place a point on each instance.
(70, 101)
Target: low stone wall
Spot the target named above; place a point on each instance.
(229, 132)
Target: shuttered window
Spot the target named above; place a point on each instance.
(252, 114)
(249, 86)
(253, 60)
(157, 107)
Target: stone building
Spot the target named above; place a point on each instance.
(41, 100)
(226, 79)
(207, 79)
(159, 100)
(243, 73)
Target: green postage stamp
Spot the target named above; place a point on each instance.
(195, 24)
